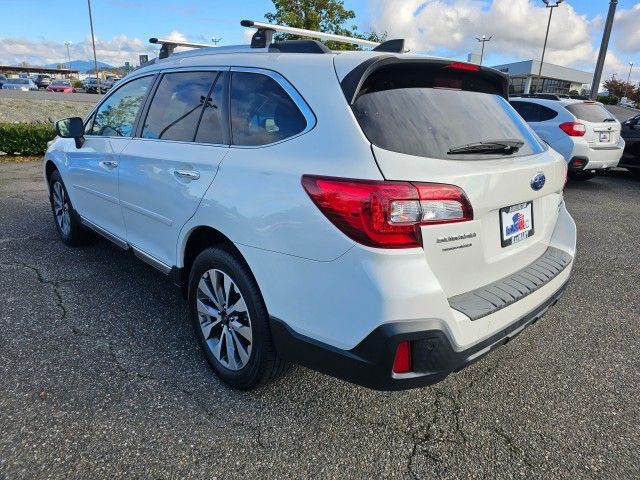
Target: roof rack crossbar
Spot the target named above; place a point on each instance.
(268, 27)
(168, 46)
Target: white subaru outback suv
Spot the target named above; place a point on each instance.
(583, 131)
(381, 217)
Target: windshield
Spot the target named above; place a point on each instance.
(435, 122)
(590, 112)
(60, 82)
(19, 81)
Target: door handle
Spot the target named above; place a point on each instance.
(187, 174)
(110, 164)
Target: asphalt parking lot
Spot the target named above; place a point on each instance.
(100, 375)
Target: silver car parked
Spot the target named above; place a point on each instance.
(24, 84)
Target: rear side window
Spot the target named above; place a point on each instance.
(117, 114)
(261, 111)
(532, 112)
(429, 121)
(177, 105)
(590, 112)
(547, 113)
(528, 111)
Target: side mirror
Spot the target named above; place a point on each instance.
(71, 128)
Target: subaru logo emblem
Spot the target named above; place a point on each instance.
(538, 181)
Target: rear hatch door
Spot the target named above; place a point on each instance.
(602, 128)
(418, 118)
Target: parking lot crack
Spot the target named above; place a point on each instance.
(41, 278)
(513, 448)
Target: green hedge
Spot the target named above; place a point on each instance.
(608, 100)
(25, 138)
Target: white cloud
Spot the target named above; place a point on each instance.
(518, 26)
(626, 31)
(115, 51)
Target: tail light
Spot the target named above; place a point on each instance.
(402, 359)
(566, 174)
(573, 129)
(386, 214)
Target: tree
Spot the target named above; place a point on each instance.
(619, 88)
(328, 16)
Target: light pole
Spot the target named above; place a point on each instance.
(546, 36)
(67, 43)
(483, 40)
(597, 75)
(216, 41)
(626, 88)
(93, 42)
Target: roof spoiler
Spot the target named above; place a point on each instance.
(354, 81)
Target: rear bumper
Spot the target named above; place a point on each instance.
(369, 364)
(599, 158)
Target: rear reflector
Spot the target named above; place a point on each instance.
(469, 67)
(573, 129)
(386, 214)
(402, 360)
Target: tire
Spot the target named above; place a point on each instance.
(65, 218)
(236, 343)
(581, 175)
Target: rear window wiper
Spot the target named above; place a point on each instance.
(609, 120)
(505, 146)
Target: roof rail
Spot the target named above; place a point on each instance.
(168, 46)
(264, 36)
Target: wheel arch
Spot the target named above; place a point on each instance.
(49, 168)
(195, 241)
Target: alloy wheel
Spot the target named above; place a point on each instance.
(61, 208)
(224, 319)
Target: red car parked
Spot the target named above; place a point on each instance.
(61, 86)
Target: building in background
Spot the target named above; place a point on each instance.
(523, 78)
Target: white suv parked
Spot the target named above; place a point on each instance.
(583, 131)
(381, 217)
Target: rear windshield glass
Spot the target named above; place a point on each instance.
(590, 112)
(428, 122)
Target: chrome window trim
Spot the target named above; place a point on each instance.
(295, 96)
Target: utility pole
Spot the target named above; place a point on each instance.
(483, 40)
(626, 88)
(93, 42)
(67, 43)
(216, 41)
(597, 75)
(546, 36)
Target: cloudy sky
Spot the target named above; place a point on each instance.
(34, 30)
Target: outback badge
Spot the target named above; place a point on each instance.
(538, 181)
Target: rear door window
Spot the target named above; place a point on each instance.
(214, 124)
(590, 112)
(430, 121)
(261, 111)
(177, 105)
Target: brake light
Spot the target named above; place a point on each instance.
(468, 67)
(573, 129)
(402, 359)
(386, 214)
(566, 174)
